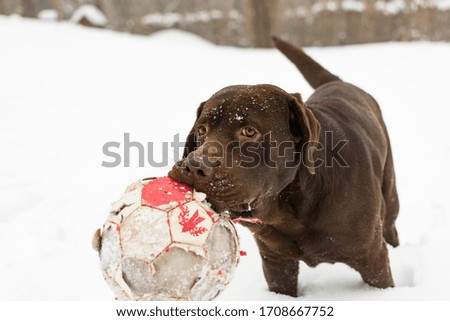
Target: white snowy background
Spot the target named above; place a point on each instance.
(67, 90)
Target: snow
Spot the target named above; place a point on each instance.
(352, 5)
(93, 14)
(387, 7)
(392, 7)
(346, 5)
(48, 14)
(170, 19)
(319, 7)
(68, 90)
(441, 4)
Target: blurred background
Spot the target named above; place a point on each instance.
(250, 23)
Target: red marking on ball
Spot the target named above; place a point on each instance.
(190, 223)
(219, 273)
(164, 190)
(243, 253)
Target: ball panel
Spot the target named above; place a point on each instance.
(223, 255)
(223, 251)
(145, 233)
(125, 292)
(111, 252)
(127, 199)
(138, 275)
(198, 250)
(165, 193)
(190, 224)
(127, 210)
(207, 288)
(176, 272)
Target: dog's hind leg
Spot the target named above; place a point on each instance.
(391, 202)
(374, 266)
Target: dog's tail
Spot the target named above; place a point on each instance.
(314, 73)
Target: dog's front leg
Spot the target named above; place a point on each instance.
(281, 275)
(279, 256)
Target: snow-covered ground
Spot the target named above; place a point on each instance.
(65, 91)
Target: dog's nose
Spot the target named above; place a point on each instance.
(198, 166)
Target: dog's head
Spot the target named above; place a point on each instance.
(247, 144)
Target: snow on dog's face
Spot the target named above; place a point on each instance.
(246, 145)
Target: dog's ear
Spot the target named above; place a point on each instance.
(191, 141)
(305, 128)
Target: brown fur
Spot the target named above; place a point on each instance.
(309, 212)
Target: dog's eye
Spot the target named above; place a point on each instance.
(248, 132)
(201, 130)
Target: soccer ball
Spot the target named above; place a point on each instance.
(162, 241)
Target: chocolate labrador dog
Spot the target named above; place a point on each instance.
(318, 175)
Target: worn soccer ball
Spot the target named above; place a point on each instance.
(162, 241)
